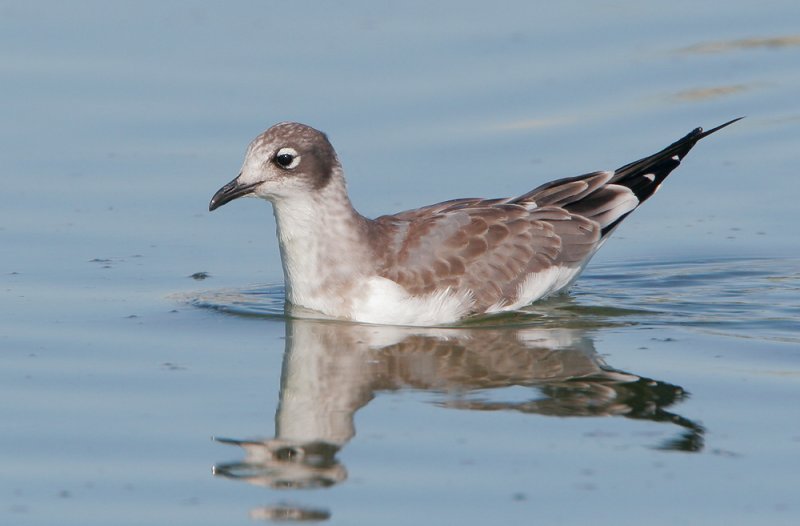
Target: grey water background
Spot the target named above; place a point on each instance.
(664, 389)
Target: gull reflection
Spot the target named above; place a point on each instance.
(331, 369)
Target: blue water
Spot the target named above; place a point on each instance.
(149, 374)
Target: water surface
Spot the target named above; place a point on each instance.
(149, 374)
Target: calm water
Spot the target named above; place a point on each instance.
(150, 376)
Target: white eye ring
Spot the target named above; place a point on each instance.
(287, 158)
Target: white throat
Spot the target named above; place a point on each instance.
(322, 242)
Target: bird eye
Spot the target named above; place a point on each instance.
(287, 158)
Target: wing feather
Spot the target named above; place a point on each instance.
(487, 251)
(491, 248)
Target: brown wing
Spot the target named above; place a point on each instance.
(486, 247)
(444, 206)
(489, 247)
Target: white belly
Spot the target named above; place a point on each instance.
(383, 301)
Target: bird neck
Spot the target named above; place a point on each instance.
(321, 239)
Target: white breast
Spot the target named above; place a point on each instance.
(383, 301)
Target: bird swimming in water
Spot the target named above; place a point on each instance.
(440, 263)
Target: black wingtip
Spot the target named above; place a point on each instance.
(661, 164)
(682, 146)
(709, 132)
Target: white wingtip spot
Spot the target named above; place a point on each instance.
(649, 177)
(676, 158)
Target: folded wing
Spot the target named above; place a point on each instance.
(511, 251)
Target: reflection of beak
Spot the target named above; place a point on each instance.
(231, 191)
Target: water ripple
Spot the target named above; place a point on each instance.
(750, 298)
(267, 301)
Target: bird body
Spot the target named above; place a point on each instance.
(441, 263)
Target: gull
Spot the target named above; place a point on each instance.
(441, 263)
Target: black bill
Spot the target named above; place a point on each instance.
(229, 192)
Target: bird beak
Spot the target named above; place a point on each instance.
(231, 191)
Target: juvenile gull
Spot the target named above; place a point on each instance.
(440, 263)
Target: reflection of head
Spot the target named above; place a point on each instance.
(281, 464)
(331, 369)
